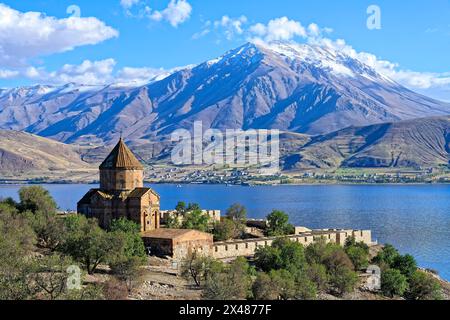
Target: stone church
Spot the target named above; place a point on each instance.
(122, 193)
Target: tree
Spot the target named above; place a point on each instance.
(317, 252)
(237, 213)
(234, 283)
(134, 245)
(87, 243)
(181, 208)
(406, 264)
(49, 229)
(128, 269)
(193, 207)
(284, 284)
(264, 288)
(228, 229)
(393, 283)
(423, 286)
(36, 199)
(283, 254)
(359, 256)
(196, 220)
(337, 258)
(386, 256)
(17, 241)
(318, 274)
(278, 224)
(343, 280)
(200, 268)
(49, 275)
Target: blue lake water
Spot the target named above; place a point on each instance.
(414, 218)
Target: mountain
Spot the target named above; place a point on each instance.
(26, 154)
(297, 88)
(413, 143)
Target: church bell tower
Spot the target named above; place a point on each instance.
(121, 171)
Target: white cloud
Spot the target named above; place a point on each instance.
(177, 12)
(7, 74)
(127, 4)
(231, 26)
(32, 34)
(280, 29)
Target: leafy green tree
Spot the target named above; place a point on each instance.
(17, 241)
(200, 268)
(393, 283)
(264, 288)
(193, 207)
(181, 208)
(126, 263)
(284, 284)
(173, 221)
(423, 286)
(318, 274)
(134, 245)
(317, 252)
(306, 289)
(386, 256)
(232, 284)
(87, 243)
(49, 276)
(196, 220)
(406, 264)
(278, 224)
(359, 256)
(49, 229)
(36, 199)
(283, 254)
(237, 213)
(343, 280)
(226, 230)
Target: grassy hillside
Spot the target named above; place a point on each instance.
(414, 143)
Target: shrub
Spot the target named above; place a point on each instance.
(423, 286)
(393, 283)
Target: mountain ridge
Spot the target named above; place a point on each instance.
(298, 88)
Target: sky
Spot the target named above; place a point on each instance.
(132, 41)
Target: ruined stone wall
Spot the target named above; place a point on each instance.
(247, 248)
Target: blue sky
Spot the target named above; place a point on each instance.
(129, 38)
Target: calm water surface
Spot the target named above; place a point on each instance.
(415, 219)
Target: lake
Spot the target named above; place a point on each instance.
(414, 218)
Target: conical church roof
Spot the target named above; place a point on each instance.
(121, 158)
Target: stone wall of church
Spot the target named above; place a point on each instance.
(121, 180)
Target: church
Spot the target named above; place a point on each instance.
(122, 193)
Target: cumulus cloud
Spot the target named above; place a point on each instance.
(280, 29)
(127, 4)
(177, 12)
(32, 34)
(231, 26)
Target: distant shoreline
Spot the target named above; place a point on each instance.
(56, 182)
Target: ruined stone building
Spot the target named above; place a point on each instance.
(122, 193)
